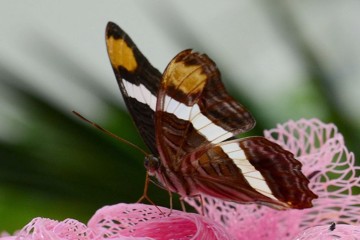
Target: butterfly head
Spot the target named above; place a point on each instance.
(151, 164)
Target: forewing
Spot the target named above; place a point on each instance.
(249, 170)
(193, 109)
(138, 81)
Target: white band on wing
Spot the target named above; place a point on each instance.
(253, 176)
(212, 132)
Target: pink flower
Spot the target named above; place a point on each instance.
(124, 222)
(139, 220)
(326, 161)
(341, 231)
(333, 177)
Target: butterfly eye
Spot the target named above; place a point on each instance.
(151, 164)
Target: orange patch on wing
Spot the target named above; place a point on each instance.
(189, 79)
(121, 54)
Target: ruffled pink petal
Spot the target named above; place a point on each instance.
(341, 231)
(6, 236)
(125, 222)
(47, 229)
(333, 177)
(140, 220)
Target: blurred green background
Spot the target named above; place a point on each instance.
(282, 59)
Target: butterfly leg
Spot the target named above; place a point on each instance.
(170, 198)
(201, 203)
(171, 201)
(145, 196)
(182, 203)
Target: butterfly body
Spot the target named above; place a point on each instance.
(189, 122)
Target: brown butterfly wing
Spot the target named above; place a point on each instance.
(138, 80)
(194, 116)
(194, 110)
(249, 170)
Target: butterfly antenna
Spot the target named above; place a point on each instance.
(110, 133)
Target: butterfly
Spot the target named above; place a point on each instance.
(189, 122)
